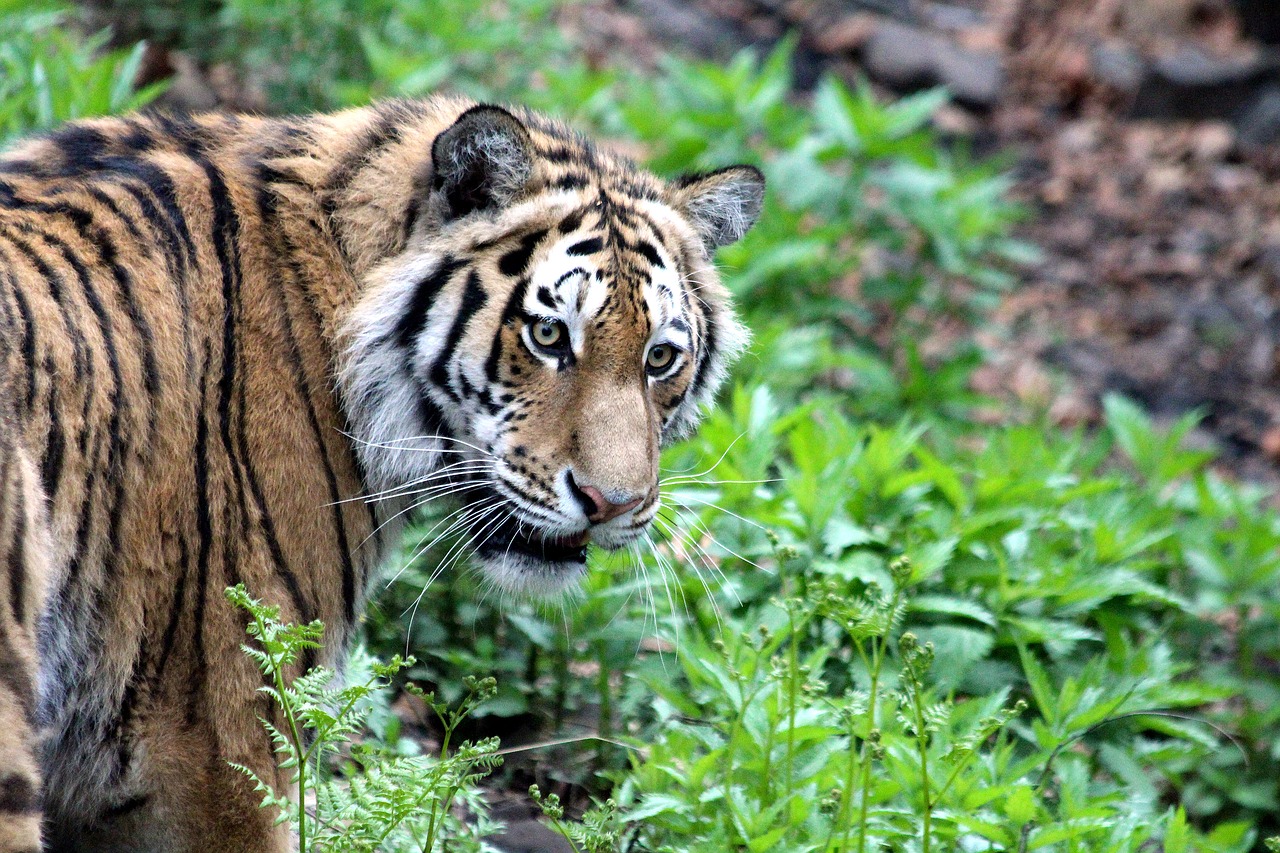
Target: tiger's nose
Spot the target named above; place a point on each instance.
(598, 508)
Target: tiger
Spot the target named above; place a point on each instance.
(240, 349)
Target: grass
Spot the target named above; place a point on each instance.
(868, 621)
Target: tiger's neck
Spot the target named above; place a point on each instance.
(356, 177)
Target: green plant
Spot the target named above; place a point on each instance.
(343, 52)
(383, 800)
(50, 72)
(599, 831)
(755, 752)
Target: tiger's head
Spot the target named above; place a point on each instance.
(553, 319)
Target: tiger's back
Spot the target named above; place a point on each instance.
(168, 380)
(175, 296)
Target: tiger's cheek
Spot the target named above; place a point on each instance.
(668, 396)
(525, 383)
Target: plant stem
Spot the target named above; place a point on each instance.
(793, 665)
(875, 665)
(922, 745)
(277, 675)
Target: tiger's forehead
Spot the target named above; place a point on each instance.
(591, 272)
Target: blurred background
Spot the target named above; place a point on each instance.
(1016, 302)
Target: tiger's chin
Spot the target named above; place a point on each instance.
(531, 563)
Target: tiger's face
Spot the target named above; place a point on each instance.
(552, 321)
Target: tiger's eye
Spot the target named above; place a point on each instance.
(660, 357)
(548, 333)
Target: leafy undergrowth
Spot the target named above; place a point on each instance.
(866, 622)
(50, 73)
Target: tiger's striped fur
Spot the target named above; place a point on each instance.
(218, 333)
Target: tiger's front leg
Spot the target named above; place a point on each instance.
(24, 550)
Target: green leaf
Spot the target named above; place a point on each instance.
(1020, 805)
(1177, 835)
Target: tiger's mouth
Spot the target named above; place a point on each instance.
(514, 538)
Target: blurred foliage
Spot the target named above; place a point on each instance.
(51, 72)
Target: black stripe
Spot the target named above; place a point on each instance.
(412, 211)
(530, 497)
(17, 561)
(8, 319)
(126, 219)
(415, 317)
(158, 183)
(28, 344)
(124, 280)
(132, 804)
(116, 443)
(571, 223)
(267, 212)
(149, 184)
(706, 350)
(176, 608)
(139, 139)
(204, 534)
(82, 148)
(654, 228)
(570, 181)
(22, 167)
(650, 252)
(120, 730)
(18, 795)
(514, 262)
(473, 299)
(385, 130)
(510, 313)
(160, 226)
(226, 236)
(431, 416)
(55, 445)
(589, 246)
(559, 152)
(80, 352)
(97, 237)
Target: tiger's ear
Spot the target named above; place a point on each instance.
(483, 160)
(721, 205)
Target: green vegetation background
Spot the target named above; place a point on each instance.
(868, 621)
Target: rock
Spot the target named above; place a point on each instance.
(1258, 122)
(1188, 65)
(1271, 442)
(189, 89)
(1189, 83)
(847, 35)
(901, 9)
(523, 832)
(1118, 66)
(529, 836)
(686, 24)
(906, 57)
(975, 78)
(903, 56)
(944, 16)
(1212, 141)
